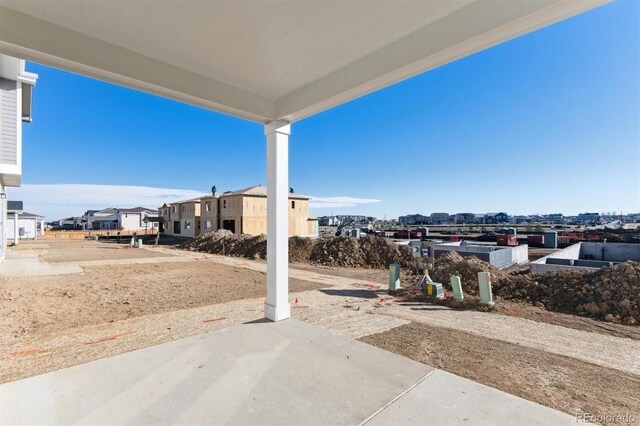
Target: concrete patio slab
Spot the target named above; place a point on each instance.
(280, 373)
(259, 372)
(446, 399)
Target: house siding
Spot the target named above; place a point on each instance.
(9, 122)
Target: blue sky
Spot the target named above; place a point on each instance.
(548, 122)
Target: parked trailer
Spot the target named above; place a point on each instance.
(407, 234)
(536, 240)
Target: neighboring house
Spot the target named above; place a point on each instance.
(22, 225)
(494, 218)
(478, 218)
(119, 219)
(414, 219)
(181, 218)
(329, 221)
(245, 212)
(463, 218)
(440, 218)
(588, 218)
(241, 212)
(556, 218)
(16, 87)
(519, 219)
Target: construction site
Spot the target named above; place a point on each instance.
(194, 316)
(567, 340)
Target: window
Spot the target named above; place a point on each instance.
(175, 209)
(184, 208)
(224, 204)
(293, 205)
(207, 206)
(207, 224)
(187, 224)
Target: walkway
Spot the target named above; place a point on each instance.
(261, 372)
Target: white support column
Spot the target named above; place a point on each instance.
(15, 228)
(42, 228)
(277, 307)
(35, 228)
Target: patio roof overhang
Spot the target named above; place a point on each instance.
(265, 60)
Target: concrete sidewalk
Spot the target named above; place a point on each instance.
(25, 263)
(260, 372)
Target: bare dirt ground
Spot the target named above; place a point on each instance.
(503, 307)
(37, 306)
(52, 322)
(62, 251)
(556, 381)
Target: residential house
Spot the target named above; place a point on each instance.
(440, 218)
(494, 218)
(588, 218)
(329, 221)
(22, 225)
(181, 218)
(556, 218)
(519, 219)
(478, 218)
(241, 212)
(414, 219)
(464, 218)
(245, 212)
(118, 219)
(16, 87)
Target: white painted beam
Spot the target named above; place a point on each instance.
(277, 307)
(26, 37)
(473, 28)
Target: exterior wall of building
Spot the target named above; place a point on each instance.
(231, 212)
(239, 213)
(208, 214)
(3, 224)
(254, 215)
(29, 225)
(133, 221)
(10, 121)
(298, 217)
(312, 228)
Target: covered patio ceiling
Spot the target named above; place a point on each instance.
(265, 60)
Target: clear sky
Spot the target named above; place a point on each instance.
(548, 122)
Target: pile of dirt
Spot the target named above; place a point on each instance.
(368, 252)
(611, 294)
(467, 268)
(226, 243)
(300, 249)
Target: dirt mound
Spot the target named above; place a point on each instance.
(467, 267)
(226, 243)
(337, 251)
(368, 252)
(300, 249)
(611, 293)
(380, 253)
